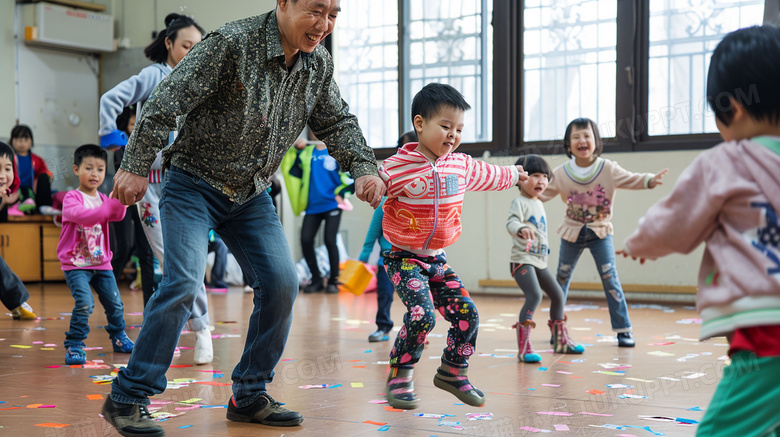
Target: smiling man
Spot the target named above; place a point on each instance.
(247, 90)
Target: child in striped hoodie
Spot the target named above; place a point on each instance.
(426, 182)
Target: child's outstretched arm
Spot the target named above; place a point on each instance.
(681, 221)
(522, 174)
(116, 211)
(656, 180)
(481, 176)
(73, 210)
(551, 191)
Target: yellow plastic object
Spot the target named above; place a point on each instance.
(354, 277)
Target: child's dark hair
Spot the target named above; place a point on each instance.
(6, 151)
(745, 66)
(89, 151)
(123, 119)
(433, 96)
(407, 137)
(535, 164)
(156, 51)
(582, 123)
(21, 131)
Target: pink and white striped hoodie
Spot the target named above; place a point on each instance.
(425, 199)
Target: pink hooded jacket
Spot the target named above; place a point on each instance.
(728, 198)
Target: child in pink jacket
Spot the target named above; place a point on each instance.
(729, 198)
(85, 254)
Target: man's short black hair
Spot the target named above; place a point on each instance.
(745, 66)
(433, 96)
(89, 151)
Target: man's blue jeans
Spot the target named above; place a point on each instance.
(189, 207)
(103, 281)
(603, 252)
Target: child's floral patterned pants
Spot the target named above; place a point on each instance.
(425, 284)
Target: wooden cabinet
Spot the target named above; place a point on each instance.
(50, 265)
(20, 247)
(29, 246)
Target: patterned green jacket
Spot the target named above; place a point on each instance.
(242, 109)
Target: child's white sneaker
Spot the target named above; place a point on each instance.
(48, 210)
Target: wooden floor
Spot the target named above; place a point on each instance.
(668, 374)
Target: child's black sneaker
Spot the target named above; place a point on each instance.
(75, 355)
(264, 410)
(122, 343)
(625, 339)
(131, 420)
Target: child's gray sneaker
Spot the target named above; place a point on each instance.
(131, 420)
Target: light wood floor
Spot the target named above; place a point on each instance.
(328, 345)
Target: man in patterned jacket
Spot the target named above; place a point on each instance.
(245, 93)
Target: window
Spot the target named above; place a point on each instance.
(638, 68)
(569, 64)
(367, 67)
(682, 37)
(447, 41)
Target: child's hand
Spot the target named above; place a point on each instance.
(626, 255)
(656, 180)
(370, 188)
(526, 233)
(523, 174)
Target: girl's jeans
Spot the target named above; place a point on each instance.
(603, 253)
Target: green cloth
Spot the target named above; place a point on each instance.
(297, 187)
(770, 143)
(746, 402)
(296, 171)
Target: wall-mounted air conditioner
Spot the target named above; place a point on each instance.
(68, 28)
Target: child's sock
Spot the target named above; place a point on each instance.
(454, 379)
(400, 388)
(204, 351)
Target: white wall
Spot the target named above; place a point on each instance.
(7, 88)
(137, 19)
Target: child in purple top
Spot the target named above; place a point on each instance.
(85, 254)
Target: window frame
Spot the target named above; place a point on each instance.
(632, 60)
